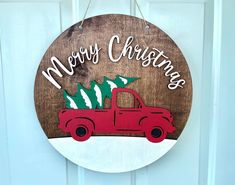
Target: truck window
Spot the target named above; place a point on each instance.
(126, 100)
(107, 103)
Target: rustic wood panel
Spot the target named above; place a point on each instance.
(152, 87)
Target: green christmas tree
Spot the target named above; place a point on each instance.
(94, 97)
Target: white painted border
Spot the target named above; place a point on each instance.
(112, 154)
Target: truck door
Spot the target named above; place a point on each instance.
(128, 112)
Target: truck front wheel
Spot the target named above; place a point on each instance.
(81, 131)
(155, 134)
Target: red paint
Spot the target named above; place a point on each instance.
(154, 122)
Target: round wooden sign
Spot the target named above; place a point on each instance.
(115, 95)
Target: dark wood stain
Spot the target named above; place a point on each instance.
(152, 87)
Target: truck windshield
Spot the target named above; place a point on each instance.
(127, 100)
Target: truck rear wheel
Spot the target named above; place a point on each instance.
(81, 131)
(155, 134)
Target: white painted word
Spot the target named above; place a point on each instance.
(76, 57)
(147, 56)
(153, 57)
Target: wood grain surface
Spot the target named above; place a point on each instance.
(152, 87)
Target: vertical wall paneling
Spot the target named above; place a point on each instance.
(4, 158)
(213, 135)
(27, 28)
(71, 173)
(225, 122)
(207, 94)
(97, 178)
(203, 154)
(141, 176)
(66, 14)
(99, 7)
(132, 8)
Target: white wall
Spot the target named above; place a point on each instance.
(203, 29)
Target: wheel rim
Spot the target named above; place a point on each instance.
(156, 132)
(81, 131)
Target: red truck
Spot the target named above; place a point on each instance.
(153, 122)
